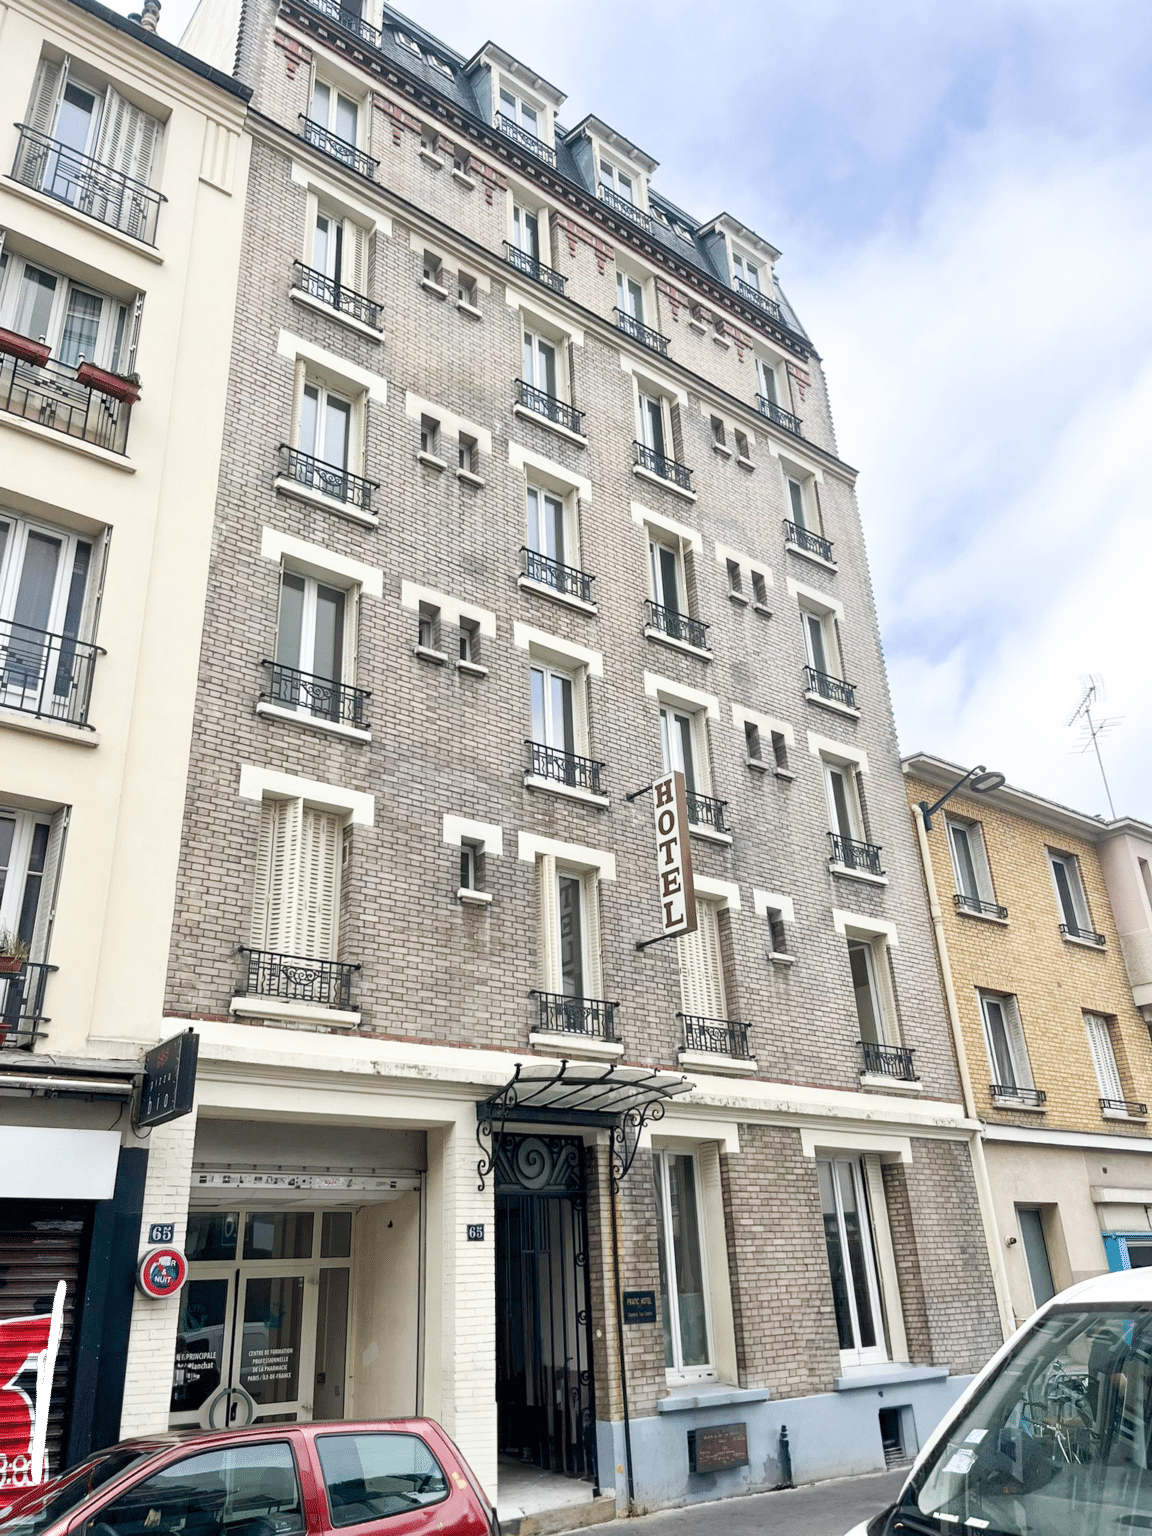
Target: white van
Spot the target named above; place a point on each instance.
(1054, 1436)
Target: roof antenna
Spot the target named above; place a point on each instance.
(1094, 695)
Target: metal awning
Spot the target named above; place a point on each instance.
(613, 1098)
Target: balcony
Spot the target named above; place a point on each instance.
(834, 689)
(1130, 1107)
(719, 1037)
(704, 811)
(849, 854)
(332, 144)
(589, 1016)
(46, 675)
(560, 767)
(351, 21)
(758, 300)
(512, 130)
(52, 395)
(778, 415)
(655, 463)
(1007, 1094)
(297, 979)
(317, 696)
(326, 290)
(889, 1061)
(1083, 935)
(644, 334)
(22, 1005)
(563, 579)
(809, 543)
(533, 268)
(330, 480)
(100, 191)
(676, 625)
(541, 403)
(979, 908)
(621, 205)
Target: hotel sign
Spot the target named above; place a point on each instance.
(673, 857)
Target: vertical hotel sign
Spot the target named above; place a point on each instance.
(673, 857)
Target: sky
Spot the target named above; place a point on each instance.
(961, 197)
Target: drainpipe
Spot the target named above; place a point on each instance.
(979, 1165)
(620, 1338)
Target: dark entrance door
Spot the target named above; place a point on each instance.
(546, 1407)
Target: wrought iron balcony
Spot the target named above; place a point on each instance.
(981, 908)
(533, 268)
(328, 291)
(850, 854)
(704, 811)
(719, 1037)
(351, 21)
(565, 579)
(658, 464)
(644, 334)
(296, 978)
(835, 689)
(778, 415)
(1125, 1107)
(677, 626)
(889, 1061)
(319, 696)
(102, 192)
(620, 204)
(590, 1016)
(544, 404)
(22, 1005)
(811, 543)
(760, 300)
(512, 130)
(328, 479)
(1036, 1097)
(46, 675)
(561, 767)
(53, 396)
(1085, 935)
(332, 144)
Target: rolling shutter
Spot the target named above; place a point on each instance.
(701, 973)
(295, 904)
(1103, 1056)
(319, 885)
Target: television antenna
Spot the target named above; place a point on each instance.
(1093, 697)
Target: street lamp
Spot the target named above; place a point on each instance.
(978, 780)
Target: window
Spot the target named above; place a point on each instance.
(780, 750)
(746, 271)
(469, 642)
(429, 436)
(742, 447)
(797, 502)
(759, 589)
(766, 382)
(1065, 869)
(26, 857)
(1007, 1051)
(295, 910)
(47, 598)
(652, 423)
(520, 112)
(466, 289)
(324, 433)
(372, 1476)
(78, 322)
(778, 931)
(970, 864)
(428, 628)
(863, 958)
(311, 644)
(618, 182)
(851, 1260)
(683, 1274)
(681, 733)
(735, 580)
(666, 570)
(554, 721)
(243, 1485)
(718, 434)
(820, 645)
(844, 800)
(547, 526)
(469, 872)
(701, 966)
(338, 113)
(433, 269)
(526, 231)
(570, 934)
(339, 250)
(630, 298)
(540, 363)
(1103, 1052)
(468, 453)
(752, 741)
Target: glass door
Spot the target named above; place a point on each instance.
(275, 1334)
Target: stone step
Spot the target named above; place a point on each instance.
(572, 1517)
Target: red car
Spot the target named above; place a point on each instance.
(403, 1477)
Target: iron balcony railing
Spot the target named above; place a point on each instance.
(1124, 1106)
(676, 625)
(53, 396)
(297, 978)
(351, 21)
(760, 300)
(835, 689)
(719, 1037)
(512, 130)
(565, 579)
(561, 767)
(88, 185)
(22, 1005)
(981, 908)
(620, 204)
(332, 144)
(328, 291)
(532, 267)
(705, 811)
(658, 464)
(889, 1061)
(590, 1016)
(46, 675)
(644, 334)
(318, 696)
(544, 404)
(778, 415)
(329, 479)
(850, 854)
(1034, 1096)
(1085, 935)
(810, 543)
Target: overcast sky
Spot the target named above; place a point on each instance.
(961, 196)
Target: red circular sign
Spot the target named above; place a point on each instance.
(162, 1272)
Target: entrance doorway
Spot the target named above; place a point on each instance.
(263, 1330)
(545, 1393)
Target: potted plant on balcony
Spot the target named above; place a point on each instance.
(125, 387)
(24, 348)
(13, 953)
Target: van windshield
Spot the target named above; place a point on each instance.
(1059, 1440)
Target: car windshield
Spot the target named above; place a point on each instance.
(61, 1495)
(1059, 1440)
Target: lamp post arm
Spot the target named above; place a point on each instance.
(930, 810)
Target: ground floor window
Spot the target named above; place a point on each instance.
(683, 1275)
(851, 1260)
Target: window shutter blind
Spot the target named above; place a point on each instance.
(549, 923)
(357, 432)
(298, 383)
(355, 257)
(50, 78)
(1103, 1056)
(319, 884)
(580, 686)
(127, 137)
(262, 890)
(701, 975)
(594, 979)
(275, 902)
(1018, 1043)
(49, 887)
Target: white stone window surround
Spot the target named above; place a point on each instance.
(548, 473)
(764, 902)
(747, 565)
(324, 564)
(767, 725)
(723, 894)
(450, 262)
(484, 835)
(332, 368)
(530, 847)
(450, 423)
(259, 783)
(839, 752)
(652, 381)
(566, 654)
(731, 425)
(666, 690)
(815, 600)
(309, 177)
(650, 521)
(793, 463)
(858, 925)
(536, 314)
(452, 610)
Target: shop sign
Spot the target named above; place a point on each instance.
(717, 1447)
(673, 857)
(169, 1080)
(162, 1272)
(639, 1306)
(28, 1350)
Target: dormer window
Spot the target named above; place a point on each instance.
(746, 271)
(519, 112)
(618, 182)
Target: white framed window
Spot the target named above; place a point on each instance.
(970, 864)
(821, 642)
(667, 574)
(621, 183)
(630, 296)
(851, 1260)
(683, 743)
(844, 803)
(654, 415)
(49, 590)
(551, 530)
(540, 363)
(336, 111)
(702, 993)
(469, 872)
(554, 708)
(27, 874)
(520, 113)
(79, 323)
(1103, 1052)
(1074, 915)
(867, 962)
(79, 109)
(570, 929)
(767, 383)
(324, 429)
(800, 510)
(315, 643)
(684, 1299)
(296, 903)
(526, 230)
(745, 271)
(337, 247)
(1007, 1049)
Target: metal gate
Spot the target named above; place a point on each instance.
(545, 1393)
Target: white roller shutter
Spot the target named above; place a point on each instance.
(1103, 1056)
(701, 971)
(549, 923)
(319, 884)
